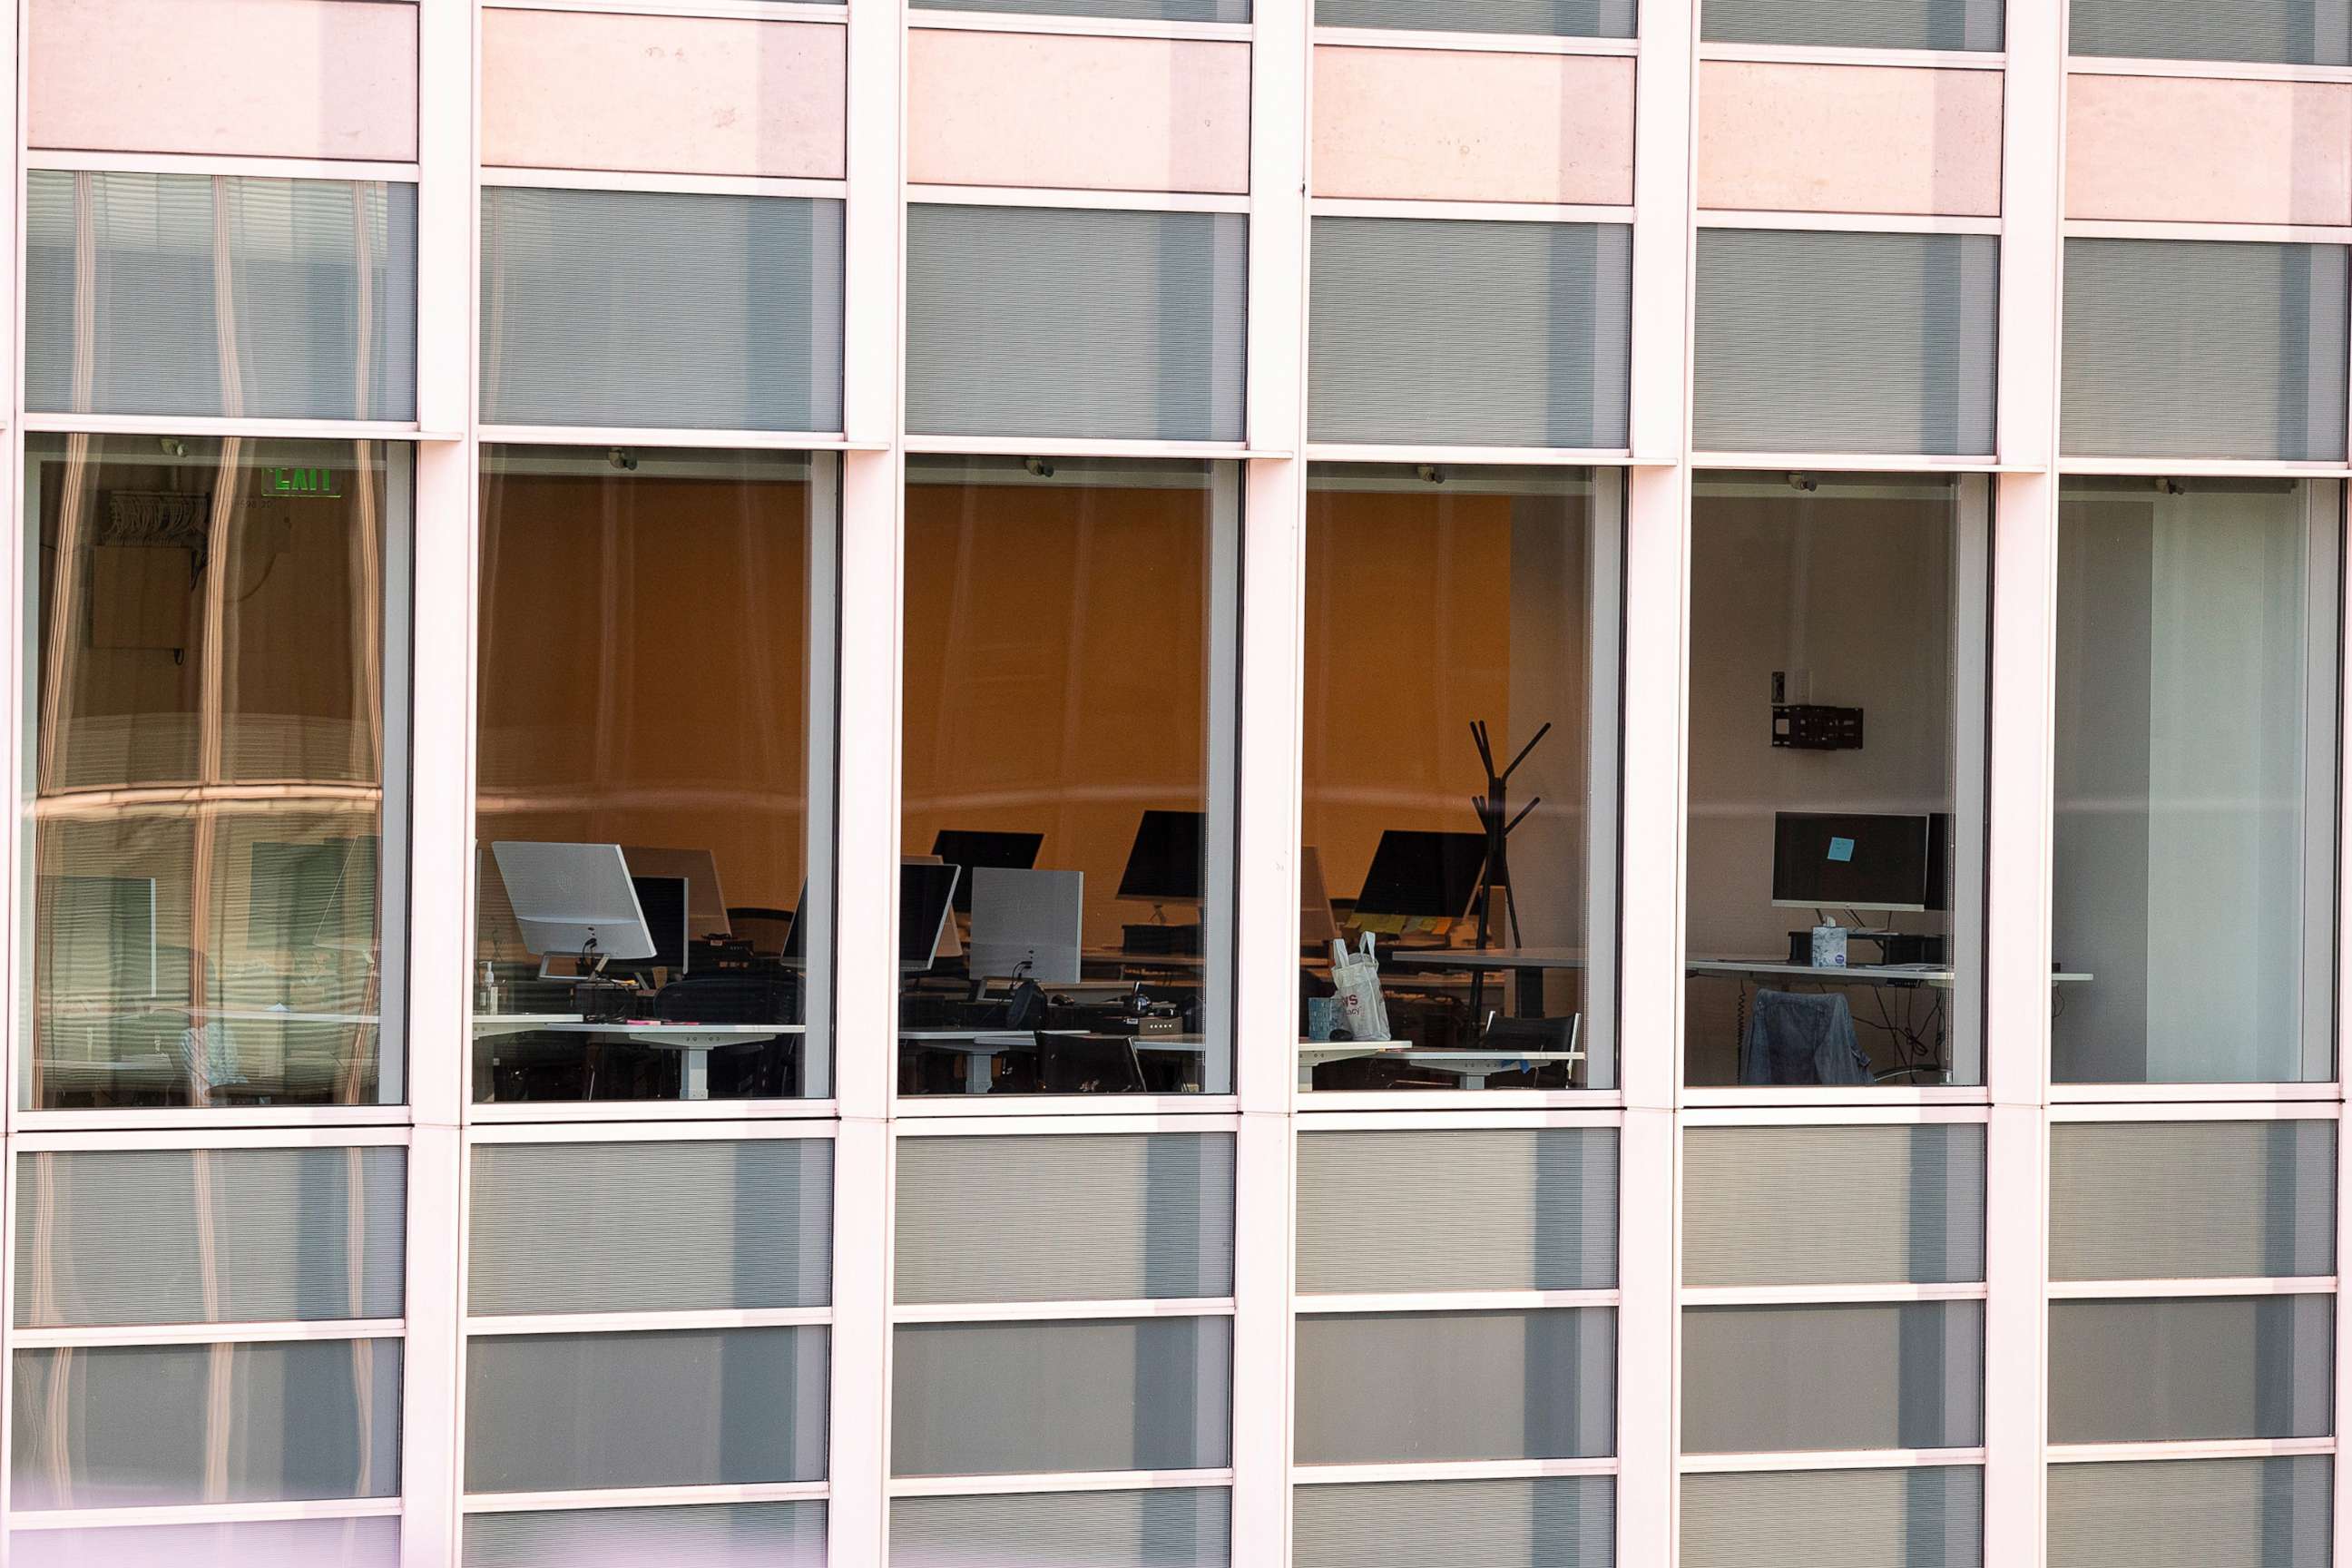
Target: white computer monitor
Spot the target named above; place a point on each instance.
(1026, 924)
(566, 894)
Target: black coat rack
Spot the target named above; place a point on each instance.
(1494, 816)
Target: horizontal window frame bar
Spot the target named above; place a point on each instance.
(914, 1313)
(1385, 1103)
(1845, 221)
(975, 1107)
(1030, 1483)
(2207, 1288)
(519, 1325)
(34, 1124)
(1915, 464)
(1448, 41)
(2203, 70)
(721, 10)
(2101, 1113)
(653, 182)
(123, 1140)
(1828, 1460)
(1452, 1470)
(929, 19)
(1704, 1296)
(1912, 1114)
(134, 1336)
(1818, 1097)
(50, 422)
(2219, 1099)
(77, 160)
(697, 439)
(1405, 456)
(1067, 199)
(565, 1133)
(2191, 1448)
(1408, 209)
(2190, 469)
(1840, 55)
(21, 1519)
(647, 1112)
(1313, 1119)
(471, 1503)
(2206, 233)
(1066, 1126)
(1428, 1303)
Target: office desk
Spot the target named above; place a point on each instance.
(1852, 974)
(981, 1047)
(694, 1042)
(1475, 1066)
(1525, 965)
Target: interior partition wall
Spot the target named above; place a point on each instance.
(787, 449)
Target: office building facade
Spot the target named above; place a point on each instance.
(1168, 784)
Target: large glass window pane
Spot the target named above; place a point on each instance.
(691, 1407)
(1840, 625)
(1559, 18)
(1875, 1375)
(1403, 1387)
(1460, 792)
(2211, 1367)
(736, 1225)
(1552, 1522)
(1130, 1393)
(1174, 1527)
(120, 1427)
(217, 718)
(1930, 1515)
(655, 774)
(994, 1220)
(2192, 1513)
(2192, 1200)
(2195, 854)
(121, 1236)
(737, 1535)
(651, 308)
(1854, 24)
(220, 295)
(1834, 1205)
(2270, 32)
(1065, 903)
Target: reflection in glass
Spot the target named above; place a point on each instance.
(1459, 622)
(1838, 657)
(2195, 852)
(1066, 899)
(217, 780)
(654, 771)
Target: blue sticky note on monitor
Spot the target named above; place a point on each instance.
(1841, 849)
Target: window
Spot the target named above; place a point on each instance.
(2276, 32)
(1066, 899)
(1460, 806)
(1839, 631)
(2195, 848)
(1855, 23)
(1561, 19)
(218, 716)
(654, 816)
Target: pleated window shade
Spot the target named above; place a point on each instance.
(738, 1535)
(1476, 334)
(688, 1408)
(1406, 1387)
(1074, 322)
(1552, 18)
(137, 1426)
(1855, 23)
(1929, 1517)
(2192, 1513)
(250, 1543)
(1111, 10)
(733, 1225)
(1821, 342)
(1552, 1522)
(677, 311)
(2220, 1367)
(219, 295)
(1175, 1527)
(2204, 349)
(1874, 1206)
(2273, 32)
(1546, 1218)
(2192, 1200)
(1763, 1380)
(1123, 1218)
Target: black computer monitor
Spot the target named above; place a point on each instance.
(1860, 860)
(1007, 851)
(663, 901)
(1163, 866)
(1431, 875)
(925, 894)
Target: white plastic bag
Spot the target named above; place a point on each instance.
(1356, 978)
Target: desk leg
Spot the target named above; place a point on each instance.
(1530, 986)
(1305, 1075)
(979, 1069)
(1474, 1080)
(694, 1075)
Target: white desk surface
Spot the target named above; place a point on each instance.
(1483, 958)
(644, 1031)
(1853, 974)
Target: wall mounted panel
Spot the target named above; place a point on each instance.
(1854, 139)
(2180, 150)
(1438, 125)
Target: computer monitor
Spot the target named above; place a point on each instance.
(564, 894)
(1027, 923)
(926, 891)
(1317, 923)
(971, 850)
(1860, 860)
(706, 900)
(1163, 864)
(1433, 875)
(665, 901)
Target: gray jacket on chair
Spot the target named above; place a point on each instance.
(1795, 1037)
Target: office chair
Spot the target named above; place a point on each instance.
(1088, 1064)
(1801, 1037)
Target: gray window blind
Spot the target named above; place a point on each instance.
(1151, 1393)
(193, 1235)
(1557, 1522)
(1546, 1218)
(1477, 333)
(1930, 1517)
(217, 295)
(270, 1543)
(1117, 10)
(139, 1425)
(737, 1535)
(651, 1226)
(1123, 1217)
(719, 312)
(1174, 1527)
(1855, 23)
(1555, 18)
(1410, 1386)
(2204, 349)
(2192, 1200)
(1774, 1379)
(2276, 32)
(2191, 1514)
(693, 1407)
(2162, 1371)
(1834, 1205)
(1047, 322)
(1816, 340)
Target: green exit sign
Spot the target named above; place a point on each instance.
(322, 483)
